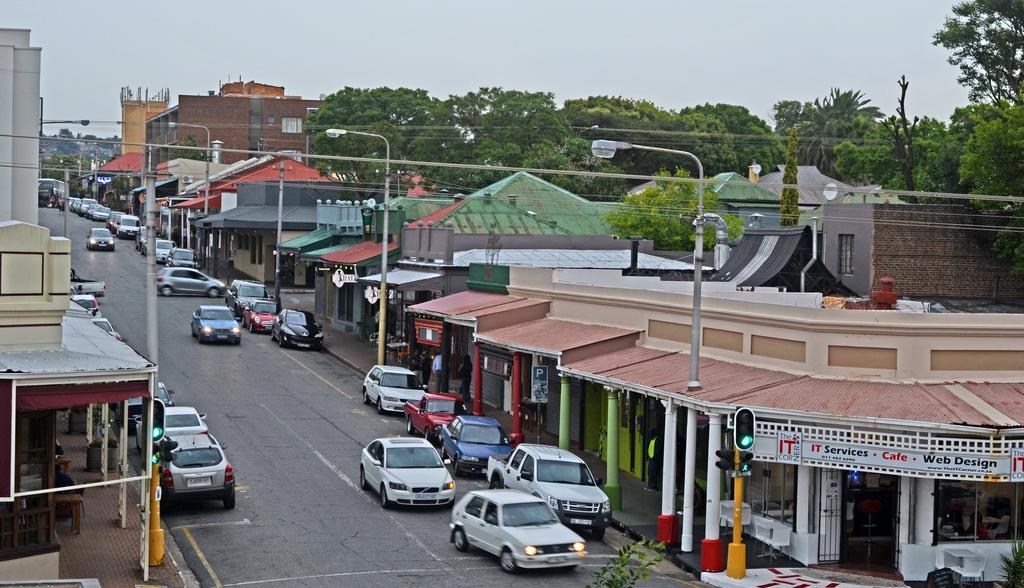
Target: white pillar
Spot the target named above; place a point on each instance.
(714, 490)
(906, 488)
(689, 479)
(25, 123)
(668, 467)
(803, 498)
(924, 511)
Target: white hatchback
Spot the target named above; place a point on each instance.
(406, 470)
(390, 387)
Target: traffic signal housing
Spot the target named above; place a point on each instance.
(167, 447)
(158, 420)
(156, 454)
(745, 458)
(744, 423)
(725, 459)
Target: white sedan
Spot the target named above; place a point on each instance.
(517, 527)
(388, 387)
(406, 470)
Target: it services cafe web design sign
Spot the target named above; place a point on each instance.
(792, 448)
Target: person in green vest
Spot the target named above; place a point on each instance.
(654, 459)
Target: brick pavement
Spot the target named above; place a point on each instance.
(104, 550)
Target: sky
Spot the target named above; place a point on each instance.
(676, 53)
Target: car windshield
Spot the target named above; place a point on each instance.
(400, 381)
(129, 222)
(203, 457)
(89, 202)
(104, 325)
(164, 244)
(89, 303)
(263, 307)
(99, 233)
(526, 514)
(296, 318)
(440, 405)
(253, 291)
(162, 394)
(564, 472)
(183, 254)
(178, 421)
(412, 457)
(485, 435)
(217, 314)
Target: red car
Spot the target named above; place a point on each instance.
(432, 412)
(259, 316)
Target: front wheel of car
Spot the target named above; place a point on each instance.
(597, 533)
(280, 341)
(408, 426)
(366, 397)
(380, 406)
(166, 291)
(213, 292)
(496, 482)
(229, 502)
(362, 480)
(385, 502)
(508, 561)
(460, 540)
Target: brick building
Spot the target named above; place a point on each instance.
(928, 249)
(242, 115)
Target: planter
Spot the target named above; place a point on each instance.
(76, 422)
(94, 459)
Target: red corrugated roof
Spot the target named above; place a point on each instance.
(198, 202)
(436, 217)
(552, 335)
(357, 253)
(728, 383)
(129, 162)
(460, 303)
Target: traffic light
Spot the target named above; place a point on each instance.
(745, 458)
(167, 447)
(743, 429)
(725, 459)
(156, 454)
(158, 420)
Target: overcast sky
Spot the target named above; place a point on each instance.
(675, 53)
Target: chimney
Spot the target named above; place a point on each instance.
(634, 255)
(215, 148)
(885, 297)
(754, 171)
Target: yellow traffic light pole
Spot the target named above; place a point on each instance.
(736, 567)
(156, 534)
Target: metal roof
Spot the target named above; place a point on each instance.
(461, 303)
(316, 239)
(569, 259)
(359, 253)
(400, 277)
(760, 256)
(85, 347)
(294, 218)
(811, 181)
(551, 336)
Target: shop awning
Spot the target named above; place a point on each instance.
(568, 340)
(199, 202)
(365, 253)
(63, 396)
(316, 254)
(460, 302)
(483, 310)
(316, 239)
(411, 280)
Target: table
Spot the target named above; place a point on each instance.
(726, 516)
(64, 463)
(74, 501)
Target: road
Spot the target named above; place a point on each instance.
(293, 426)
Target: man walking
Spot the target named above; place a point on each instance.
(437, 372)
(654, 458)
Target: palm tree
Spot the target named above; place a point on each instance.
(843, 114)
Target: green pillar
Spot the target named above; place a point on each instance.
(611, 487)
(563, 415)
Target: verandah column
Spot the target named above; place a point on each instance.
(611, 487)
(517, 424)
(563, 415)
(689, 479)
(667, 519)
(712, 556)
(478, 384)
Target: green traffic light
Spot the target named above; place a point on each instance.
(157, 432)
(746, 441)
(155, 459)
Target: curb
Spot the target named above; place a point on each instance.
(344, 360)
(188, 579)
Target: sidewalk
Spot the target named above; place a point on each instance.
(104, 550)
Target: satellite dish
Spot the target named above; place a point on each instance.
(830, 192)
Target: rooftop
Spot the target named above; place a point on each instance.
(563, 258)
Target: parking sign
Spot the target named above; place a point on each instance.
(539, 384)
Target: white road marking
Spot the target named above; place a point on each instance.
(367, 573)
(222, 524)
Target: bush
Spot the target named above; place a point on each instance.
(632, 564)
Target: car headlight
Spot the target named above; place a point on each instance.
(235, 330)
(207, 330)
(606, 506)
(287, 330)
(319, 335)
(449, 486)
(220, 284)
(257, 320)
(92, 241)
(579, 546)
(397, 486)
(553, 502)
(530, 550)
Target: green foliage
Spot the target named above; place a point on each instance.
(788, 114)
(751, 136)
(664, 213)
(986, 41)
(188, 141)
(631, 565)
(789, 203)
(574, 154)
(1013, 566)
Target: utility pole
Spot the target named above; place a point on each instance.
(67, 195)
(277, 243)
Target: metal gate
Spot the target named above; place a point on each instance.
(830, 515)
(493, 389)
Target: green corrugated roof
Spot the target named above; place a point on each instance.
(343, 243)
(556, 210)
(311, 240)
(732, 187)
(417, 208)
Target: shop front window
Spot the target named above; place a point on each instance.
(772, 492)
(978, 511)
(28, 522)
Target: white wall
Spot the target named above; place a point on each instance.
(19, 115)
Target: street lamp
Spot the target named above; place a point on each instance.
(382, 333)
(206, 190)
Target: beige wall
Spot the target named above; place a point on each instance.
(35, 273)
(45, 566)
(263, 272)
(842, 343)
(133, 122)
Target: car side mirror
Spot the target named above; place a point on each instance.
(202, 416)
(424, 386)
(95, 311)
(447, 461)
(599, 481)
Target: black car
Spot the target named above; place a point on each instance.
(298, 328)
(100, 239)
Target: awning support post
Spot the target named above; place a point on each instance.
(712, 556)
(517, 423)
(611, 487)
(667, 521)
(689, 479)
(563, 414)
(478, 384)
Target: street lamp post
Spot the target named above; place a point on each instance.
(606, 149)
(206, 187)
(385, 238)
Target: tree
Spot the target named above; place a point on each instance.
(631, 564)
(902, 132)
(789, 114)
(574, 154)
(789, 203)
(751, 137)
(663, 214)
(986, 41)
(188, 141)
(843, 114)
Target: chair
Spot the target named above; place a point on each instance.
(779, 539)
(971, 569)
(763, 533)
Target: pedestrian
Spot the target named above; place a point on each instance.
(436, 366)
(653, 459)
(425, 367)
(465, 377)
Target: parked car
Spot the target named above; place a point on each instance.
(471, 440)
(135, 405)
(198, 471)
(73, 204)
(389, 387)
(406, 471)
(432, 412)
(82, 285)
(178, 420)
(99, 213)
(242, 293)
(84, 205)
(112, 221)
(140, 237)
(88, 302)
(178, 257)
(99, 239)
(518, 528)
(128, 227)
(215, 323)
(162, 249)
(180, 280)
(559, 477)
(259, 316)
(107, 327)
(298, 328)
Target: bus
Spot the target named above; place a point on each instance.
(52, 193)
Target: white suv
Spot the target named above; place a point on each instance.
(198, 471)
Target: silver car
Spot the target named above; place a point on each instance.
(99, 213)
(198, 471)
(179, 257)
(181, 280)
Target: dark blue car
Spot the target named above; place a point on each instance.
(216, 323)
(469, 440)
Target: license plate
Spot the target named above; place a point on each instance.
(426, 496)
(556, 559)
(197, 482)
(303, 344)
(579, 522)
(222, 336)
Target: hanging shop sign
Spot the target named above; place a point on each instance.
(372, 294)
(340, 278)
(539, 384)
(788, 448)
(428, 332)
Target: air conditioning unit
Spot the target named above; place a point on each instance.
(189, 179)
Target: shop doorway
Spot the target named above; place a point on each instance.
(870, 515)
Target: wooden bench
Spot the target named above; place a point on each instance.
(74, 503)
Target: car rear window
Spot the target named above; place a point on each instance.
(89, 303)
(203, 457)
(441, 406)
(183, 254)
(250, 291)
(164, 244)
(400, 381)
(178, 421)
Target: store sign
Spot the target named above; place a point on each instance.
(104, 179)
(340, 278)
(539, 384)
(1017, 465)
(789, 449)
(937, 463)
